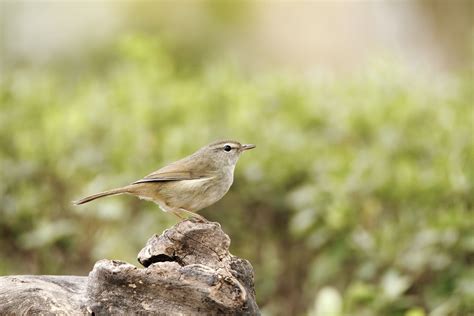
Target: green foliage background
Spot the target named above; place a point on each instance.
(359, 194)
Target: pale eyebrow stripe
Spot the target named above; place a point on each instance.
(232, 143)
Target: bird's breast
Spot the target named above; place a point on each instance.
(193, 194)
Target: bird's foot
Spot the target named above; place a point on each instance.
(194, 217)
(198, 219)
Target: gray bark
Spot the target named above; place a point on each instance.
(188, 270)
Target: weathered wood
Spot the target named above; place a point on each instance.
(42, 295)
(188, 271)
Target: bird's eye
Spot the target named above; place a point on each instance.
(227, 148)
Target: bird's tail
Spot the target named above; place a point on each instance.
(102, 194)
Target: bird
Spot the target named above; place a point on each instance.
(189, 184)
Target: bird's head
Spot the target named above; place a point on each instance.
(225, 153)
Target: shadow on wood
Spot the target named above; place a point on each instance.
(188, 270)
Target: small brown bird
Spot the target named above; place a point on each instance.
(187, 185)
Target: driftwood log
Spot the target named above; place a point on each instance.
(188, 270)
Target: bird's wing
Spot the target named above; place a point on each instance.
(174, 172)
(168, 176)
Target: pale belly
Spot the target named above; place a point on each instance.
(191, 195)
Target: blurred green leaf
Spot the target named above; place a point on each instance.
(357, 201)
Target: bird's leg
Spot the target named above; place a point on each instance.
(200, 218)
(178, 215)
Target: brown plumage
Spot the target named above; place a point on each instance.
(189, 184)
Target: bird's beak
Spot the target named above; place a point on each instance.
(247, 146)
